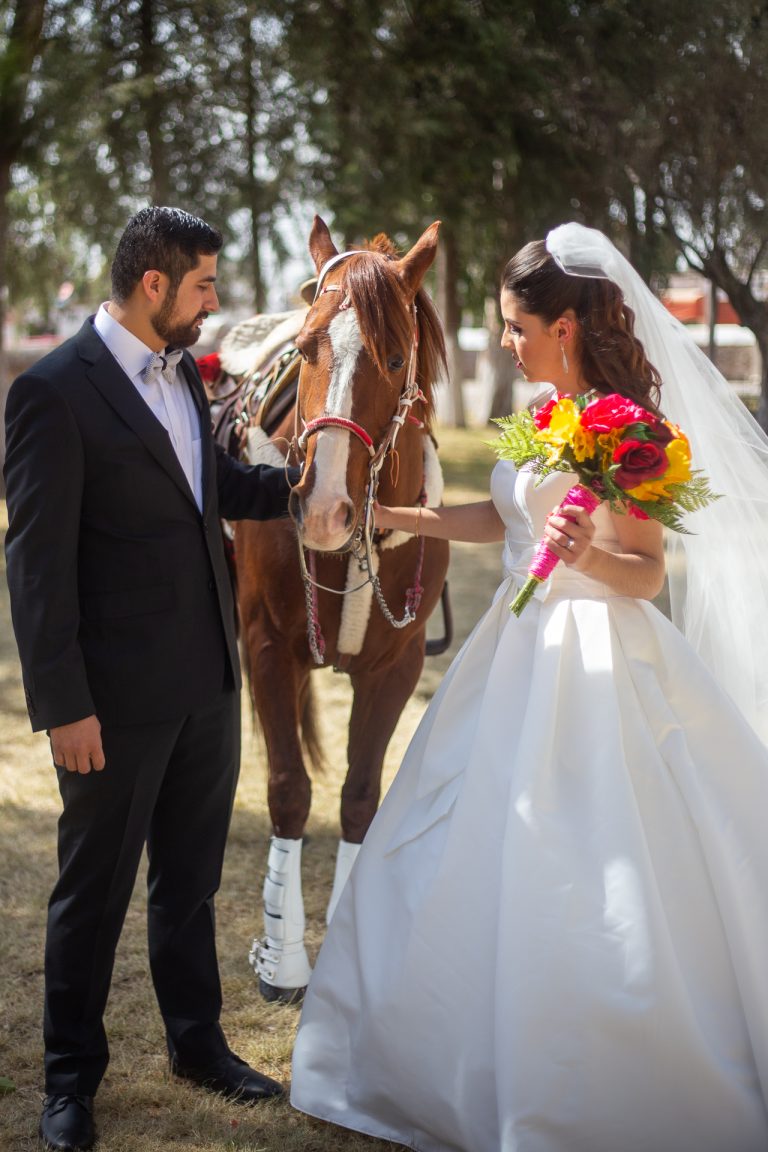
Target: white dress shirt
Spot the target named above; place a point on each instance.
(170, 402)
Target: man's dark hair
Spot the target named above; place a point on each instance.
(166, 239)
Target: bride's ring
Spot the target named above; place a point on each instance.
(570, 544)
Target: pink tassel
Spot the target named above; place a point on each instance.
(544, 560)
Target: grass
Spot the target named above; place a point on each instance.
(139, 1108)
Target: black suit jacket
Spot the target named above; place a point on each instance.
(120, 595)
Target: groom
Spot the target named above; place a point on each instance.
(123, 614)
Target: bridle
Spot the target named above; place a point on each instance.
(362, 542)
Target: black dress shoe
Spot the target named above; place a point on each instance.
(231, 1077)
(67, 1123)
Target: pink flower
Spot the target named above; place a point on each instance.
(613, 411)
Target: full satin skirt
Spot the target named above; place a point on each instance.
(555, 938)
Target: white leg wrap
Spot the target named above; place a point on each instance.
(280, 959)
(345, 858)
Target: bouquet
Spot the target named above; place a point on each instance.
(620, 453)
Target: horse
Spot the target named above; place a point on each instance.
(370, 348)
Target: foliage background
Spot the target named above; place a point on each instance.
(501, 117)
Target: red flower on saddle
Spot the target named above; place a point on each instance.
(209, 367)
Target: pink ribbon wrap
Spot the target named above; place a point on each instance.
(544, 559)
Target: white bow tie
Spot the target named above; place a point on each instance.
(162, 364)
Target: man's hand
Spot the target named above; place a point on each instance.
(77, 747)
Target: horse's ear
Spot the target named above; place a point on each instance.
(413, 266)
(321, 247)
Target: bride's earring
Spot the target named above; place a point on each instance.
(565, 358)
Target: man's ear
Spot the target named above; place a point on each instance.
(153, 285)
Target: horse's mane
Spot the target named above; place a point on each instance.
(385, 322)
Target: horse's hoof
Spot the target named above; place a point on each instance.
(272, 965)
(280, 995)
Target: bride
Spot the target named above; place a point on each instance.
(555, 937)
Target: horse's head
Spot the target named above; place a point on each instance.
(371, 348)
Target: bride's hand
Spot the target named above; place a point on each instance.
(569, 531)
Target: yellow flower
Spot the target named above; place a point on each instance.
(608, 442)
(565, 431)
(583, 443)
(555, 452)
(679, 456)
(562, 424)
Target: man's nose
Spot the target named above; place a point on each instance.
(212, 301)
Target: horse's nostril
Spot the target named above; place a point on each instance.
(295, 507)
(350, 517)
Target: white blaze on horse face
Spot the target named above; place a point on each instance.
(326, 510)
(346, 343)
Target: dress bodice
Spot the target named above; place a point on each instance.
(524, 500)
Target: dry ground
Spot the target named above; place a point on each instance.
(139, 1108)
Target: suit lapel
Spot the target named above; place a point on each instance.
(118, 390)
(208, 452)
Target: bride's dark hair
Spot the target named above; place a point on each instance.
(612, 358)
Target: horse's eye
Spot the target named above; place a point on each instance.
(306, 345)
(395, 363)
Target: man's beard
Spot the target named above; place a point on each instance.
(175, 335)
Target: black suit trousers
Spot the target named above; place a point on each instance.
(170, 786)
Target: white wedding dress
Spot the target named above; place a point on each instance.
(555, 937)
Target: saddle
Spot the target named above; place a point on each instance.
(259, 398)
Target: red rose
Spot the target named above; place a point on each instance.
(611, 412)
(209, 367)
(640, 460)
(542, 417)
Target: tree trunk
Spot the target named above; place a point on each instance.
(21, 47)
(150, 65)
(497, 364)
(252, 186)
(762, 408)
(5, 383)
(752, 313)
(448, 304)
(713, 321)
